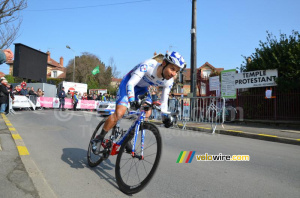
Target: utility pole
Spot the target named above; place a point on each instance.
(194, 51)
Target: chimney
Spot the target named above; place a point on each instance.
(155, 53)
(48, 60)
(61, 61)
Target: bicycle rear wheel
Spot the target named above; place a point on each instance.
(133, 173)
(92, 158)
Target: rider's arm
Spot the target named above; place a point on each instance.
(165, 97)
(136, 76)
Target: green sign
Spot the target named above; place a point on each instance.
(227, 84)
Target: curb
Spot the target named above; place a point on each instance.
(39, 182)
(266, 137)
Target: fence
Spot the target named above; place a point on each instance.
(199, 109)
(284, 106)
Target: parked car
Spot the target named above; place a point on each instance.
(106, 108)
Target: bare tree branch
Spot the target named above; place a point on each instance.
(10, 20)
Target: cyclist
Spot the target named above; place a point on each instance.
(136, 82)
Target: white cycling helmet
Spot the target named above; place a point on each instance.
(175, 58)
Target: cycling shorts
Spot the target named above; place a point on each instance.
(122, 98)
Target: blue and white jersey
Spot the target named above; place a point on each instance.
(144, 75)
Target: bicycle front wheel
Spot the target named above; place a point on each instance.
(132, 172)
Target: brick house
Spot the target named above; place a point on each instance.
(203, 73)
(115, 82)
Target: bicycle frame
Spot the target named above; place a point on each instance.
(136, 125)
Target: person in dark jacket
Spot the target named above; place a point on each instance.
(61, 96)
(3, 96)
(24, 92)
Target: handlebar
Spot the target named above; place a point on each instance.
(144, 103)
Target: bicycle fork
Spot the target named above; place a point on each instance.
(138, 127)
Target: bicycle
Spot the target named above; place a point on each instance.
(134, 169)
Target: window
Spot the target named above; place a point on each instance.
(206, 73)
(54, 74)
(203, 89)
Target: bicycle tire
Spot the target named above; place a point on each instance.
(90, 154)
(135, 188)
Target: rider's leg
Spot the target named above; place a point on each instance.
(148, 114)
(109, 124)
(115, 117)
(112, 120)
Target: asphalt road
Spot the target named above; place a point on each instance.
(58, 141)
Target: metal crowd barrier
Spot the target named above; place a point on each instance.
(199, 110)
(33, 99)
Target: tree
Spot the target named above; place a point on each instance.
(84, 66)
(282, 54)
(10, 20)
(112, 64)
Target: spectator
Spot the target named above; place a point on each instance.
(104, 97)
(24, 91)
(84, 97)
(31, 91)
(32, 95)
(3, 96)
(99, 96)
(39, 92)
(75, 100)
(28, 89)
(69, 95)
(79, 96)
(6, 55)
(12, 96)
(18, 89)
(90, 97)
(61, 96)
(113, 98)
(23, 84)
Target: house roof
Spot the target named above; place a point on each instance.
(212, 67)
(53, 63)
(2, 74)
(116, 79)
(187, 72)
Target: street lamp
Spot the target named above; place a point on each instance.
(74, 62)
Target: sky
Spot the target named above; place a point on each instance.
(130, 31)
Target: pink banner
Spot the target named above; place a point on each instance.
(87, 104)
(46, 102)
(68, 103)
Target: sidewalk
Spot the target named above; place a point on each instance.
(19, 175)
(14, 179)
(264, 130)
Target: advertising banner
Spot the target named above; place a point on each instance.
(46, 102)
(55, 103)
(68, 103)
(87, 104)
(21, 102)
